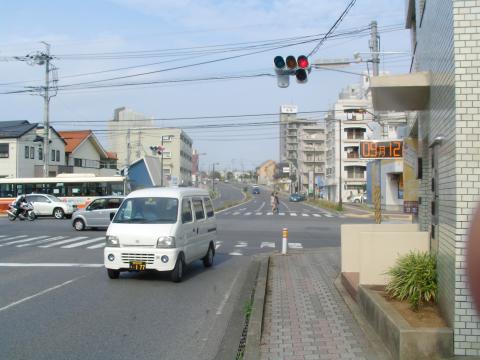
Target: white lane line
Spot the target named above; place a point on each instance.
(328, 215)
(284, 204)
(269, 213)
(42, 241)
(241, 244)
(295, 245)
(306, 215)
(267, 244)
(235, 253)
(63, 242)
(281, 214)
(317, 215)
(40, 293)
(227, 295)
(248, 213)
(97, 246)
(74, 245)
(260, 208)
(258, 213)
(293, 214)
(24, 240)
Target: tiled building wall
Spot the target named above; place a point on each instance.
(448, 47)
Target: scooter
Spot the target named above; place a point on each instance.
(26, 211)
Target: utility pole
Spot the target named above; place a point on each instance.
(213, 177)
(138, 153)
(340, 201)
(375, 47)
(161, 164)
(46, 112)
(129, 147)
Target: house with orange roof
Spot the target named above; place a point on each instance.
(85, 154)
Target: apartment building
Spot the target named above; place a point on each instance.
(442, 93)
(345, 172)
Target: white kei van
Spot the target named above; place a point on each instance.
(161, 229)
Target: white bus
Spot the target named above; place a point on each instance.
(77, 189)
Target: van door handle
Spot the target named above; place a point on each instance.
(197, 231)
(193, 230)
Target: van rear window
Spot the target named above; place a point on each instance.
(148, 210)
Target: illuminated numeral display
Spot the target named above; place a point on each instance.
(381, 149)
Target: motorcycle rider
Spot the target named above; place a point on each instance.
(20, 202)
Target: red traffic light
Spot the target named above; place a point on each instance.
(303, 62)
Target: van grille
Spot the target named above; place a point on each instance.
(127, 257)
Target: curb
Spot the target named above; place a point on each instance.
(243, 201)
(255, 325)
(381, 352)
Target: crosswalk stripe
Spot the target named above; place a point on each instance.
(235, 253)
(97, 246)
(267, 244)
(74, 245)
(2, 236)
(13, 238)
(63, 242)
(317, 215)
(281, 214)
(293, 214)
(23, 240)
(295, 245)
(241, 244)
(258, 213)
(217, 245)
(236, 213)
(306, 215)
(269, 213)
(328, 215)
(248, 213)
(42, 241)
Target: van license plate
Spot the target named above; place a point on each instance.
(138, 265)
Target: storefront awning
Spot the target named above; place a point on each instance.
(407, 92)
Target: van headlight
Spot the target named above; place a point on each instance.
(112, 241)
(166, 242)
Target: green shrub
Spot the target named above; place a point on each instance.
(414, 278)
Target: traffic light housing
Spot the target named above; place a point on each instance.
(300, 67)
(157, 149)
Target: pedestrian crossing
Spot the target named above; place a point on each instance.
(48, 241)
(305, 214)
(246, 248)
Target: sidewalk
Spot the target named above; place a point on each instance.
(305, 317)
(357, 211)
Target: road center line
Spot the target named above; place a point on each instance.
(39, 293)
(227, 295)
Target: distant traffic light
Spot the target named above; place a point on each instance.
(300, 67)
(157, 149)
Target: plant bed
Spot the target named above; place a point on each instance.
(407, 334)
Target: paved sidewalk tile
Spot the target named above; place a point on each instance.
(305, 317)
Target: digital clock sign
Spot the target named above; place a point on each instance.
(381, 149)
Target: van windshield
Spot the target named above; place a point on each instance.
(148, 210)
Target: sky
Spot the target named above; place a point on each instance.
(172, 41)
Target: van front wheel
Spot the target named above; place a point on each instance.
(113, 274)
(177, 272)
(208, 259)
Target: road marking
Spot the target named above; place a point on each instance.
(285, 204)
(63, 242)
(241, 244)
(235, 253)
(218, 244)
(24, 240)
(267, 244)
(236, 213)
(12, 238)
(51, 265)
(293, 214)
(258, 213)
(317, 215)
(306, 215)
(269, 213)
(260, 208)
(281, 214)
(40, 293)
(248, 213)
(328, 215)
(227, 295)
(295, 245)
(2, 236)
(42, 241)
(97, 246)
(74, 245)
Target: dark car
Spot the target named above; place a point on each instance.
(295, 197)
(255, 190)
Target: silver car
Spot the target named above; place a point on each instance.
(98, 213)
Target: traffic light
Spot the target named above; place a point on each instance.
(300, 67)
(157, 149)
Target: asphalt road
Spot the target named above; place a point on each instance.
(56, 301)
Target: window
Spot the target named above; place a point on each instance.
(32, 152)
(98, 204)
(209, 207)
(114, 203)
(27, 152)
(4, 151)
(187, 215)
(148, 210)
(77, 162)
(40, 154)
(52, 156)
(198, 207)
(58, 155)
(167, 155)
(420, 168)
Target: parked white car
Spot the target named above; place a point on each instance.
(49, 205)
(97, 214)
(161, 229)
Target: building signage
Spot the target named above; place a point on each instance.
(374, 149)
